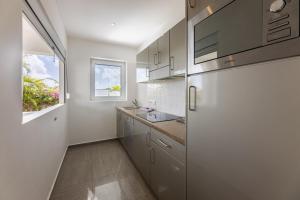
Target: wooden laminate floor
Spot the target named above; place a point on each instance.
(100, 171)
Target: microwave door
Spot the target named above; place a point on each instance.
(234, 28)
(206, 48)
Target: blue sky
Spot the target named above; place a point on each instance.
(42, 67)
(107, 76)
(52, 67)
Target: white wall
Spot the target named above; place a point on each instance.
(93, 121)
(169, 95)
(178, 13)
(30, 154)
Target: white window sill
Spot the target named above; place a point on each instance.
(29, 116)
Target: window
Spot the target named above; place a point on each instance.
(43, 72)
(108, 80)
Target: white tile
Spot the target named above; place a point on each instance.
(169, 95)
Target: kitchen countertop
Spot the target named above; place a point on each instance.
(173, 129)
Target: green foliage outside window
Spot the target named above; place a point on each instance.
(37, 95)
(116, 88)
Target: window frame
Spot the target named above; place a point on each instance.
(123, 76)
(52, 40)
(57, 47)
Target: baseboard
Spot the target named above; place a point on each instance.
(91, 142)
(54, 181)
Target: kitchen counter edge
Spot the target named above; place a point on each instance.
(172, 129)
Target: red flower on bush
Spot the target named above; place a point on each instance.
(55, 95)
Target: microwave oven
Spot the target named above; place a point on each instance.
(230, 33)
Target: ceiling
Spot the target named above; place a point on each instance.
(136, 21)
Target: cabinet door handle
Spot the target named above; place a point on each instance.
(172, 62)
(155, 60)
(192, 3)
(164, 144)
(158, 57)
(192, 100)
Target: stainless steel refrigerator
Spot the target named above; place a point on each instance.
(243, 139)
(243, 119)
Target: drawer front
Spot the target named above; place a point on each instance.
(171, 146)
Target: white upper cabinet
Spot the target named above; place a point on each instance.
(142, 66)
(153, 56)
(166, 55)
(159, 52)
(178, 49)
(163, 50)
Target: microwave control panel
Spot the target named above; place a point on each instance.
(280, 20)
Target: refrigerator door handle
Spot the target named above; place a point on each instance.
(192, 98)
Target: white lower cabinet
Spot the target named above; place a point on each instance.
(167, 175)
(128, 132)
(158, 158)
(167, 170)
(141, 148)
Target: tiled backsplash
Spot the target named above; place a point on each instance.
(164, 95)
